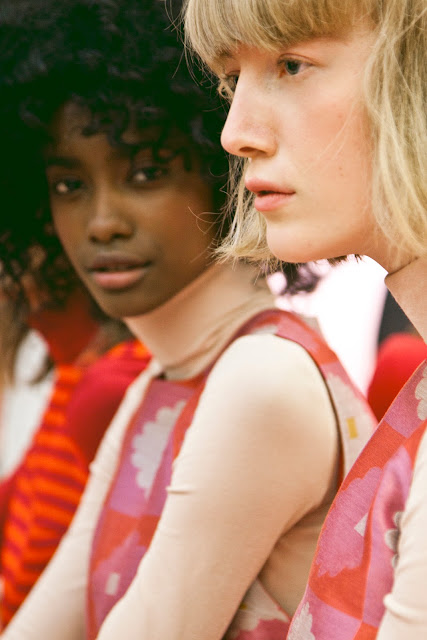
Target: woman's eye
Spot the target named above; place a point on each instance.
(232, 81)
(66, 186)
(293, 67)
(227, 85)
(146, 175)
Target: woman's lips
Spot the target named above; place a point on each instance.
(117, 271)
(268, 196)
(270, 200)
(123, 279)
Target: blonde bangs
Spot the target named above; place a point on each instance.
(215, 27)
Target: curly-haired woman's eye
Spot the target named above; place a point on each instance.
(146, 175)
(66, 186)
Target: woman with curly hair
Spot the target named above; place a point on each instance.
(328, 116)
(210, 487)
(52, 424)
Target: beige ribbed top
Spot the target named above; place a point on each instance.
(406, 606)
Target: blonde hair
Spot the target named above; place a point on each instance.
(395, 98)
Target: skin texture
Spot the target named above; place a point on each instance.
(106, 203)
(298, 116)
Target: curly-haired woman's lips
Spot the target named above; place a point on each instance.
(269, 196)
(115, 271)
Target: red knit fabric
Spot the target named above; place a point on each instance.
(69, 330)
(38, 502)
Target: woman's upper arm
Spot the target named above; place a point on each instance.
(406, 605)
(241, 479)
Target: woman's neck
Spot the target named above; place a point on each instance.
(189, 331)
(408, 286)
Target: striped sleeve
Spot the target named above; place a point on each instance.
(53, 474)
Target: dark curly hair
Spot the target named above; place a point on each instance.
(123, 61)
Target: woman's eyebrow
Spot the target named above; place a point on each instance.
(68, 162)
(61, 161)
(130, 149)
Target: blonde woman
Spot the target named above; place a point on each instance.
(328, 116)
(128, 167)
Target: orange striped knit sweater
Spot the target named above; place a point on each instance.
(38, 501)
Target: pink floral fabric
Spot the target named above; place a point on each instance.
(138, 493)
(357, 552)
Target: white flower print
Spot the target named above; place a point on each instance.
(391, 537)
(113, 583)
(257, 607)
(421, 395)
(302, 625)
(150, 444)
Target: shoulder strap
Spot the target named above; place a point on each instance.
(355, 420)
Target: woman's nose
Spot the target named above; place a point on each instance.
(108, 220)
(248, 130)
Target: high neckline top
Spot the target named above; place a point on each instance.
(408, 287)
(188, 331)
